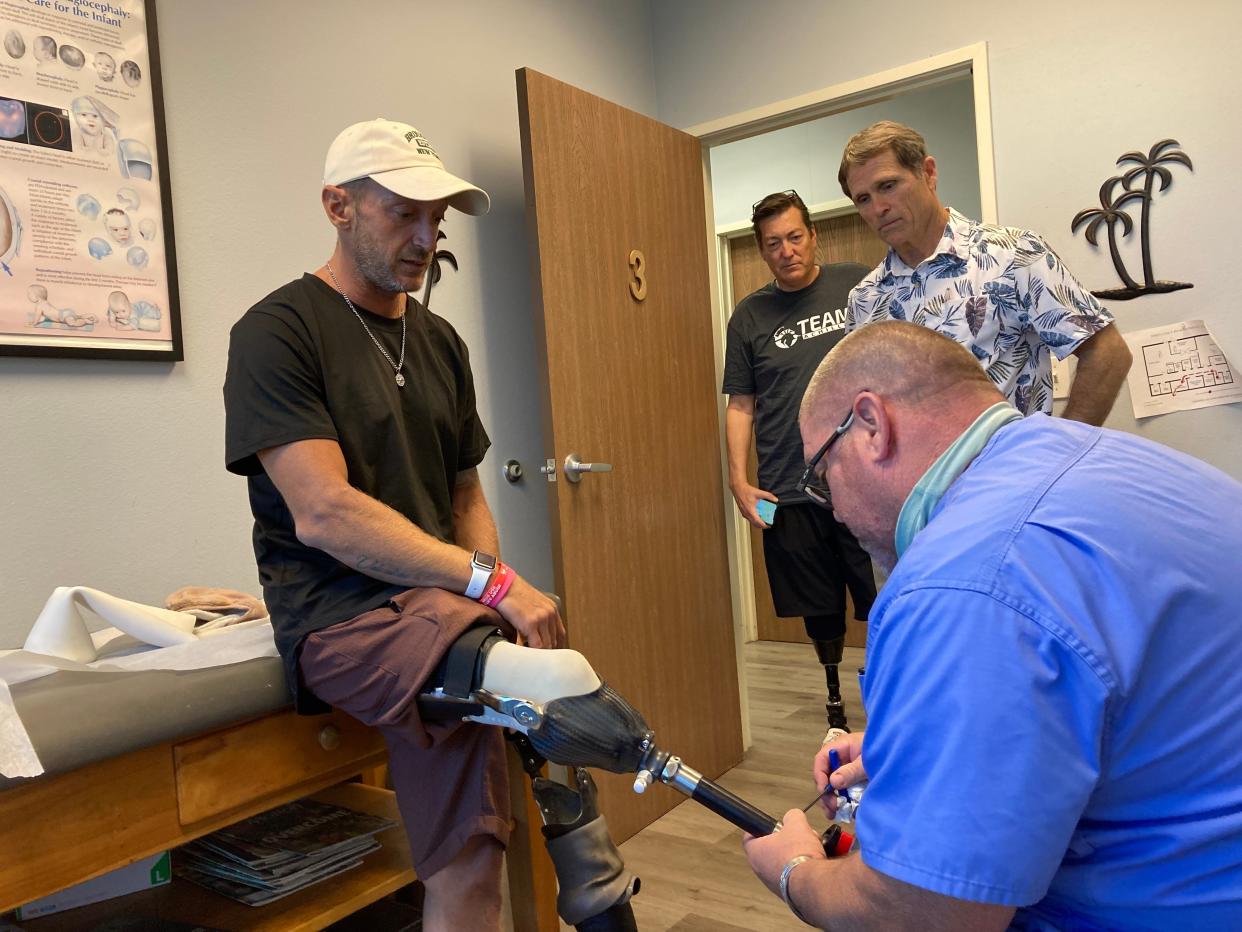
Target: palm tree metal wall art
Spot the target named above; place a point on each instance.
(1110, 214)
(433, 270)
(1138, 184)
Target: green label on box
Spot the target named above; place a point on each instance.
(161, 870)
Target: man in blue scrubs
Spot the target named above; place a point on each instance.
(1054, 677)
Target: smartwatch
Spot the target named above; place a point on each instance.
(482, 565)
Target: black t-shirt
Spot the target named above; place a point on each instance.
(302, 367)
(776, 339)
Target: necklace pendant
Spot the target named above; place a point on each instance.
(400, 380)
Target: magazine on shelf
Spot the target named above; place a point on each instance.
(304, 826)
(251, 857)
(312, 868)
(244, 892)
(276, 853)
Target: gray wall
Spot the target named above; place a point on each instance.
(806, 157)
(114, 471)
(1073, 86)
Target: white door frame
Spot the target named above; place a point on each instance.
(970, 60)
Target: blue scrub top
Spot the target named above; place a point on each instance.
(1054, 687)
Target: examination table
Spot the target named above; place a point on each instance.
(139, 762)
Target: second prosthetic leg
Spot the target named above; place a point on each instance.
(830, 654)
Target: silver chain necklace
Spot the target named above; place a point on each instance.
(396, 366)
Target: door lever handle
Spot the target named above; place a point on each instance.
(574, 467)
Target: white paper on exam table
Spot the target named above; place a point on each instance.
(142, 637)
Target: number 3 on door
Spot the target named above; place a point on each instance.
(638, 266)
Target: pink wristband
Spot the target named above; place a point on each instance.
(498, 585)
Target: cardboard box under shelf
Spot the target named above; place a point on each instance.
(141, 875)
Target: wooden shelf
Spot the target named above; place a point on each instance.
(82, 823)
(382, 872)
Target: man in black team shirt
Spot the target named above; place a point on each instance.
(777, 337)
(351, 410)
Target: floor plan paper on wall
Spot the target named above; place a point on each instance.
(1179, 367)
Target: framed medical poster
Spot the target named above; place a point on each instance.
(87, 265)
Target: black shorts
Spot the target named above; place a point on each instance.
(812, 559)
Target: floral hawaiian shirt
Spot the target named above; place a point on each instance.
(1000, 292)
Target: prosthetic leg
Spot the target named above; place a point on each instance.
(830, 654)
(486, 679)
(561, 712)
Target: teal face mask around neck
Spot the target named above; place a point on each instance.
(928, 491)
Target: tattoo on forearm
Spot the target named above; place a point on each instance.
(374, 566)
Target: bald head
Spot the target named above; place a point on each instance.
(909, 393)
(896, 359)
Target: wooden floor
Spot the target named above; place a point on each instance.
(695, 876)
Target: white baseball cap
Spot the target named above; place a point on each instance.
(399, 157)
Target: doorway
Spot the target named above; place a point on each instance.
(797, 144)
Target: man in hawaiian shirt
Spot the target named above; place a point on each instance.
(1000, 292)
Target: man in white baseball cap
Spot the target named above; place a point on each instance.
(350, 408)
(401, 159)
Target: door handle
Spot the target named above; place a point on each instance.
(574, 467)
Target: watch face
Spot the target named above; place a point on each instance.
(484, 560)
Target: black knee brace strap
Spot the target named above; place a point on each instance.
(461, 671)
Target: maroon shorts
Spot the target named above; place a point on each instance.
(451, 778)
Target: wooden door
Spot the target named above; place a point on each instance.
(629, 379)
(839, 239)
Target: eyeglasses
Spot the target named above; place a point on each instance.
(817, 493)
(791, 194)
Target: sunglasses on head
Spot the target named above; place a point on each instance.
(791, 194)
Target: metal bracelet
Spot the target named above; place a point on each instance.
(784, 885)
